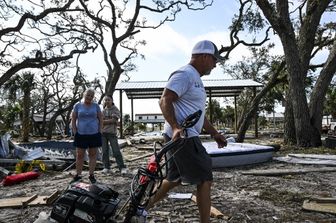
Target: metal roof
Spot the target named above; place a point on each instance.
(217, 88)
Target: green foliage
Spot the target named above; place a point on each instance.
(126, 119)
(330, 102)
(216, 111)
(223, 116)
(141, 126)
(259, 67)
(251, 20)
(8, 115)
(228, 115)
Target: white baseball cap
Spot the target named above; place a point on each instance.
(207, 47)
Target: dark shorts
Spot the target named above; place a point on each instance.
(88, 141)
(190, 164)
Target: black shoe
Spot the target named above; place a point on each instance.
(76, 178)
(92, 179)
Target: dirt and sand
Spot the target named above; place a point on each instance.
(242, 198)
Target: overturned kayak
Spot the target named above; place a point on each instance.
(238, 154)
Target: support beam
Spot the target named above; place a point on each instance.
(132, 119)
(235, 114)
(121, 115)
(256, 115)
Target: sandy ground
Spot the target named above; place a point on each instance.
(243, 198)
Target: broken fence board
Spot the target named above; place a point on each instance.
(281, 172)
(319, 207)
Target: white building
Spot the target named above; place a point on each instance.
(149, 118)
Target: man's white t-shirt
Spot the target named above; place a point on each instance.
(187, 84)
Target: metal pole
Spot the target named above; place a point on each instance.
(121, 115)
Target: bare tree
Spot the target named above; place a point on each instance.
(303, 36)
(301, 41)
(35, 41)
(115, 25)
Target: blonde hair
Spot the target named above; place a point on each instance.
(89, 90)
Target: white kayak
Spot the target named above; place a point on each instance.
(238, 154)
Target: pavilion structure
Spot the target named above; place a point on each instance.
(216, 88)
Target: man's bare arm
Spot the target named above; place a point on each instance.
(167, 108)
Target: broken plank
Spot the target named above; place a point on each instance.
(45, 200)
(28, 201)
(128, 142)
(314, 156)
(139, 157)
(277, 172)
(319, 207)
(324, 199)
(25, 203)
(151, 148)
(214, 212)
(16, 202)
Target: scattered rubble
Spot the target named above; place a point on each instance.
(237, 196)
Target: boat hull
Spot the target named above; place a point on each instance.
(238, 154)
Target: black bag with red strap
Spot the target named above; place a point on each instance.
(85, 203)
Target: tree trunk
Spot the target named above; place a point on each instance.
(26, 119)
(246, 123)
(252, 110)
(297, 51)
(112, 80)
(289, 127)
(319, 92)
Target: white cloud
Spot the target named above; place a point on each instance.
(161, 42)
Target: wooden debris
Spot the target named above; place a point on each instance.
(324, 199)
(214, 212)
(325, 207)
(148, 148)
(34, 200)
(16, 202)
(314, 156)
(70, 166)
(280, 172)
(161, 213)
(313, 161)
(128, 142)
(30, 199)
(139, 157)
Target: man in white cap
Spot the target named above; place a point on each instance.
(183, 95)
